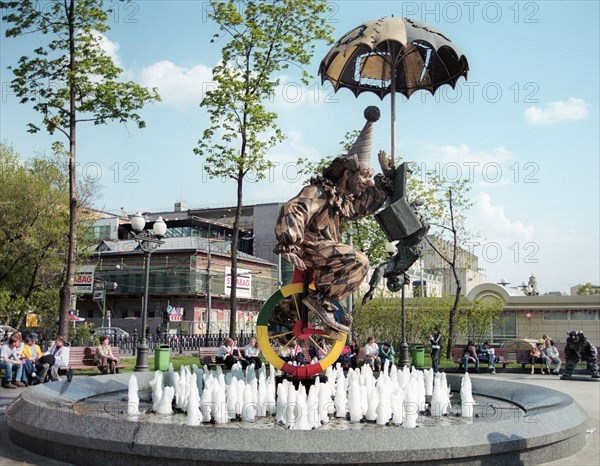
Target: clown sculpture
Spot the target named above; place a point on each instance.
(309, 226)
(578, 348)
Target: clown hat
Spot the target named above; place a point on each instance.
(362, 147)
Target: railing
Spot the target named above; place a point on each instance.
(178, 343)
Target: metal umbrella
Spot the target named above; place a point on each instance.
(392, 55)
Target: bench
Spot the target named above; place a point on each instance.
(207, 357)
(83, 358)
(500, 353)
(522, 355)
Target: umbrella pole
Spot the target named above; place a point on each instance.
(393, 89)
(393, 120)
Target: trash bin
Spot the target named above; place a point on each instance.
(418, 356)
(162, 354)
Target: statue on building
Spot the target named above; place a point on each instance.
(578, 348)
(309, 226)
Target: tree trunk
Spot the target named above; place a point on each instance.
(234, 242)
(65, 291)
(452, 319)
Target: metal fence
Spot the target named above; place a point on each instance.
(177, 343)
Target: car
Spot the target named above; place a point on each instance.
(111, 332)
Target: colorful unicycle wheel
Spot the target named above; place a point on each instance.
(279, 325)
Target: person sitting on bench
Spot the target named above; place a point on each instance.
(470, 355)
(487, 354)
(105, 359)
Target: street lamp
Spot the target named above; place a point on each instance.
(403, 350)
(148, 242)
(208, 275)
(403, 357)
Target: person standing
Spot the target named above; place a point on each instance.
(436, 344)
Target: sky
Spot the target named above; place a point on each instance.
(524, 126)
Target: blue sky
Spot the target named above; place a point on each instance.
(524, 126)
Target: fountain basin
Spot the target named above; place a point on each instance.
(48, 420)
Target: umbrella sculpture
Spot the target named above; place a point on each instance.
(392, 55)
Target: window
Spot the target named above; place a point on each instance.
(124, 315)
(583, 314)
(505, 327)
(556, 315)
(101, 232)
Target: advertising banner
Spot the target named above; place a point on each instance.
(83, 282)
(244, 283)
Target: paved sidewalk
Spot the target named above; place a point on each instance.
(585, 392)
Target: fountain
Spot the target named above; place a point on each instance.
(90, 420)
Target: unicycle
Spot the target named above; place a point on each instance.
(284, 319)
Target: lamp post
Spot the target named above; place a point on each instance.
(403, 353)
(403, 360)
(208, 275)
(149, 242)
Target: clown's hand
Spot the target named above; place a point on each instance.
(294, 260)
(368, 295)
(387, 167)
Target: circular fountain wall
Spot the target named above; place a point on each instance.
(76, 422)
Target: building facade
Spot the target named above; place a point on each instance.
(531, 316)
(188, 276)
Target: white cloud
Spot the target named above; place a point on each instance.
(571, 110)
(109, 47)
(495, 223)
(178, 86)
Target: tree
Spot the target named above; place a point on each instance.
(588, 289)
(34, 207)
(382, 318)
(68, 80)
(264, 38)
(446, 204)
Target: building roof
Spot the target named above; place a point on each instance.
(180, 244)
(515, 299)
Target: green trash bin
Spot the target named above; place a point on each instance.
(418, 356)
(162, 353)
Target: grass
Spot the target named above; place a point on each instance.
(179, 361)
